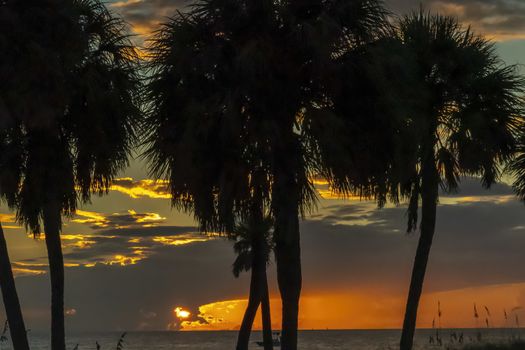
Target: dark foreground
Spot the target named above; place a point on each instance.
(308, 340)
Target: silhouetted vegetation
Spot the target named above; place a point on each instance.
(253, 246)
(238, 87)
(245, 104)
(469, 111)
(70, 106)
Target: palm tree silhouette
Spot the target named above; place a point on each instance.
(230, 90)
(253, 245)
(464, 122)
(9, 181)
(77, 131)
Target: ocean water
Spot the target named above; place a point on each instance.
(308, 340)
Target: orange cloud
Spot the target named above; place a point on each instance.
(145, 188)
(89, 217)
(131, 258)
(77, 241)
(372, 310)
(496, 199)
(118, 220)
(180, 239)
(125, 3)
(7, 217)
(20, 271)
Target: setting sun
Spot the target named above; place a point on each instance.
(181, 313)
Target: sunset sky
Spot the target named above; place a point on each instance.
(133, 263)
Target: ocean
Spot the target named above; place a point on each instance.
(308, 340)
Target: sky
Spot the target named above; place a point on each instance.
(133, 263)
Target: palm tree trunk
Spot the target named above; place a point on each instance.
(254, 300)
(288, 255)
(52, 227)
(265, 313)
(429, 198)
(13, 311)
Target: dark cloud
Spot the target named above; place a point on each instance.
(150, 231)
(129, 219)
(147, 11)
(115, 247)
(469, 186)
(145, 15)
(109, 297)
(478, 242)
(349, 246)
(504, 19)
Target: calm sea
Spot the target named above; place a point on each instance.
(308, 340)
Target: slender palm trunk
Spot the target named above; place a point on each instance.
(429, 196)
(258, 295)
(254, 300)
(13, 311)
(265, 313)
(258, 272)
(52, 227)
(288, 255)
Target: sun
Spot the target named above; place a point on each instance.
(181, 313)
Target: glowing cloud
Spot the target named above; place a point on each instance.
(90, 217)
(180, 240)
(118, 220)
(77, 241)
(7, 217)
(125, 3)
(146, 188)
(217, 316)
(122, 260)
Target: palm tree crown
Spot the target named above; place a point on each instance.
(232, 84)
(82, 145)
(244, 235)
(471, 104)
(71, 99)
(464, 123)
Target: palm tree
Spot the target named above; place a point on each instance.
(77, 130)
(18, 45)
(464, 123)
(231, 82)
(9, 182)
(253, 245)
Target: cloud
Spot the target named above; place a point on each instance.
(123, 249)
(149, 231)
(476, 243)
(9, 219)
(116, 246)
(118, 278)
(145, 188)
(28, 269)
(499, 19)
(118, 220)
(145, 15)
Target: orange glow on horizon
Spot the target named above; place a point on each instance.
(373, 310)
